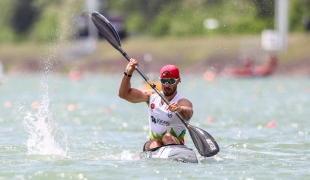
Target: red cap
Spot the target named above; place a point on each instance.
(169, 71)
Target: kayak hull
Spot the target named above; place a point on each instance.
(179, 153)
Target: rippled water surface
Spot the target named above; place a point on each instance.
(53, 128)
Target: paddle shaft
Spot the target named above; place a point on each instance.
(152, 85)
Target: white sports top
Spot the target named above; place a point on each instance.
(162, 121)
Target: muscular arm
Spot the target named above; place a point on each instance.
(184, 107)
(131, 94)
(127, 92)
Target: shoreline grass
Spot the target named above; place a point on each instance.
(182, 51)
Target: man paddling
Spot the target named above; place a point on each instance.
(165, 126)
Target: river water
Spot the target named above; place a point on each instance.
(54, 128)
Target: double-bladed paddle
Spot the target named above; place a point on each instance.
(204, 142)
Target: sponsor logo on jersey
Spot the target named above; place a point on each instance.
(160, 121)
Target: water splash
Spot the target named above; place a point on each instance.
(45, 136)
(127, 155)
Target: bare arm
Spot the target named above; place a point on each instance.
(127, 92)
(184, 107)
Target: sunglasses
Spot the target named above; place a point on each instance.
(169, 81)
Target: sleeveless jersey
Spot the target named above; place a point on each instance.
(162, 121)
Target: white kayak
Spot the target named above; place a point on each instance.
(179, 153)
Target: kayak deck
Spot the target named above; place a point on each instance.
(175, 152)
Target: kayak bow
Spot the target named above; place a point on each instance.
(178, 153)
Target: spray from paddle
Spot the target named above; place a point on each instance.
(46, 137)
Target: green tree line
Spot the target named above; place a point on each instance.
(51, 20)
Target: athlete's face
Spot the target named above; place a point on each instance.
(169, 89)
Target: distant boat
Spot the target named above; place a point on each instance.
(251, 70)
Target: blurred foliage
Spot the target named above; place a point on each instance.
(51, 20)
(35, 20)
(185, 18)
(299, 14)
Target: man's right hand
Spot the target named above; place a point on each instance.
(131, 66)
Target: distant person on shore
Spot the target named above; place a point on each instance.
(165, 127)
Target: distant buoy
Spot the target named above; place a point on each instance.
(271, 124)
(71, 107)
(7, 104)
(75, 75)
(209, 76)
(108, 111)
(35, 105)
(210, 119)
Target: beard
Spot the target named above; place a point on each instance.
(168, 91)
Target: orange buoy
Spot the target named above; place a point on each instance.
(7, 104)
(71, 107)
(35, 105)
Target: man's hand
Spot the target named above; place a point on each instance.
(131, 66)
(174, 107)
(184, 107)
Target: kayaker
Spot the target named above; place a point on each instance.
(165, 126)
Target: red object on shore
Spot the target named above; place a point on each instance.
(251, 70)
(268, 69)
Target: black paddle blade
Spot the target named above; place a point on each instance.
(204, 142)
(106, 29)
